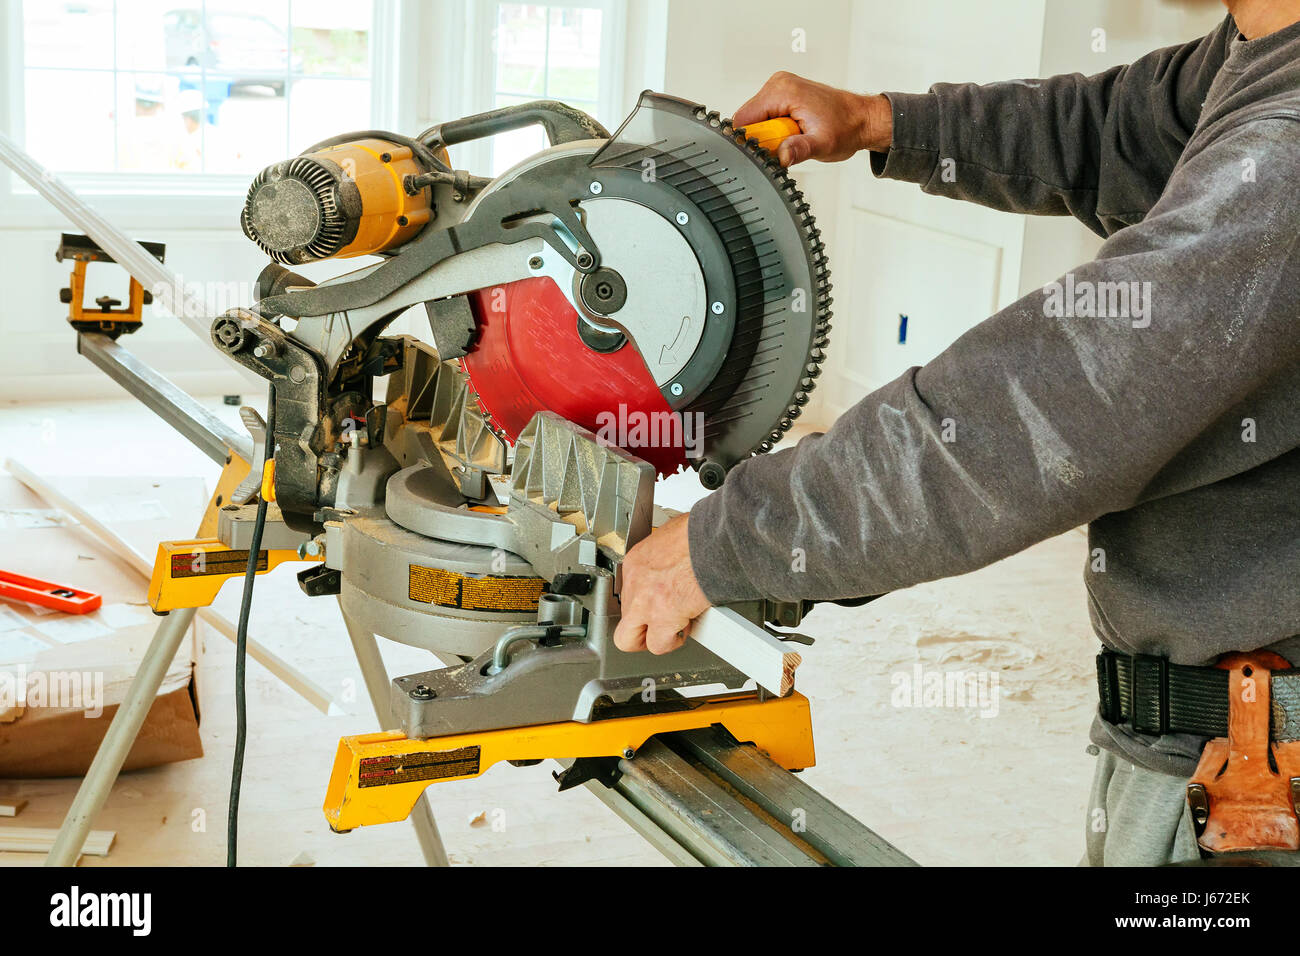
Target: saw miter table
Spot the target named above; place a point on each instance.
(612, 309)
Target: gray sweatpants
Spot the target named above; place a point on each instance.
(1137, 817)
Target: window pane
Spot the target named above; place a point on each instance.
(574, 54)
(319, 109)
(543, 51)
(159, 124)
(202, 86)
(245, 39)
(244, 125)
(74, 34)
(152, 35)
(509, 148)
(332, 37)
(521, 50)
(48, 93)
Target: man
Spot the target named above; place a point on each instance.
(1172, 430)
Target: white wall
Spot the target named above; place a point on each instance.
(1053, 246)
(944, 264)
(720, 53)
(950, 265)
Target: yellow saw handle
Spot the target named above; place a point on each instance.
(771, 133)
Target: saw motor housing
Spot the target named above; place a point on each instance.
(353, 198)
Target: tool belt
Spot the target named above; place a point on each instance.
(1245, 793)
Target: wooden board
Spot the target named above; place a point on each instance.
(748, 649)
(40, 839)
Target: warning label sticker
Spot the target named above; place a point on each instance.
(488, 592)
(403, 768)
(201, 563)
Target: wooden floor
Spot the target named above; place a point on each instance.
(945, 784)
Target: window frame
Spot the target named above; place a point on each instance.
(149, 200)
(481, 69)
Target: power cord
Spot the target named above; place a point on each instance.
(241, 646)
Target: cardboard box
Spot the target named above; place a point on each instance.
(71, 700)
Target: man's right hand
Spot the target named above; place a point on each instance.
(834, 124)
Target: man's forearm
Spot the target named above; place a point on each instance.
(1036, 420)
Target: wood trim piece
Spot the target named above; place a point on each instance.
(40, 839)
(748, 648)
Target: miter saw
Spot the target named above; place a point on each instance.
(610, 309)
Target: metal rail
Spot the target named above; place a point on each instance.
(701, 799)
(209, 434)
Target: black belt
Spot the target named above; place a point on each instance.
(1154, 696)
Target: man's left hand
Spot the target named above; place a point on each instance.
(660, 596)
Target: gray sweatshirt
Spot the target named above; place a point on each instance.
(1163, 412)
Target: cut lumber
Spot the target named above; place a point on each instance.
(748, 648)
(26, 859)
(39, 840)
(12, 808)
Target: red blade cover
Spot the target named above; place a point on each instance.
(529, 357)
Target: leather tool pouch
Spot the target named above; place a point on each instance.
(1244, 793)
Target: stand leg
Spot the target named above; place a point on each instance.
(376, 677)
(117, 743)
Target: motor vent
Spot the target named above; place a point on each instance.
(295, 211)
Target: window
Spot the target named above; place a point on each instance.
(569, 51)
(173, 88)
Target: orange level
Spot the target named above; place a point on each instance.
(47, 594)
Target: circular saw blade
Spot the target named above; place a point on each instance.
(766, 284)
(529, 357)
(773, 250)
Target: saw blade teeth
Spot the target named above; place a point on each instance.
(754, 278)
